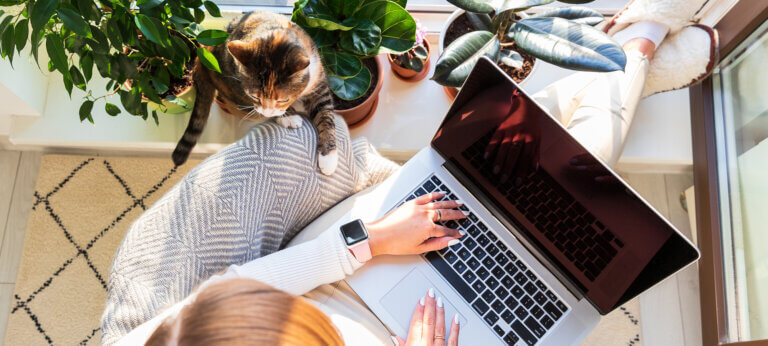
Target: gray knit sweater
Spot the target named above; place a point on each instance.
(244, 202)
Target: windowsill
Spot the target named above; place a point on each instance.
(407, 116)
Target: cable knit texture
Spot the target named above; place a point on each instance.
(675, 14)
(244, 202)
(680, 59)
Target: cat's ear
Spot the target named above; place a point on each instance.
(299, 63)
(242, 51)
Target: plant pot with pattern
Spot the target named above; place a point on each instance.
(350, 39)
(562, 36)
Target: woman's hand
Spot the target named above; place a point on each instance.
(411, 229)
(428, 324)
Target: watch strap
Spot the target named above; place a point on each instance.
(361, 251)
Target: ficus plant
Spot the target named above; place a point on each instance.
(142, 42)
(347, 31)
(562, 36)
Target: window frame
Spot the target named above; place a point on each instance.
(743, 18)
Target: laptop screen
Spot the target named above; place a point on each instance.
(559, 197)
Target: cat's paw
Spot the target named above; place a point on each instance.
(328, 163)
(290, 121)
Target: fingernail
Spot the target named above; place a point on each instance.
(421, 301)
(443, 192)
(573, 161)
(431, 292)
(466, 213)
(394, 339)
(462, 233)
(459, 202)
(453, 242)
(456, 319)
(496, 169)
(439, 302)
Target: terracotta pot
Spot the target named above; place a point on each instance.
(451, 91)
(358, 115)
(407, 74)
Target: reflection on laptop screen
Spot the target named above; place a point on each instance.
(562, 200)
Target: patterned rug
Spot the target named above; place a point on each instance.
(83, 207)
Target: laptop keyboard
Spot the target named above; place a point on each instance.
(499, 286)
(584, 240)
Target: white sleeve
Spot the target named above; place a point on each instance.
(296, 270)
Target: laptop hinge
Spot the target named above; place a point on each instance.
(511, 224)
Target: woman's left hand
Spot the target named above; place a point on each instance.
(411, 229)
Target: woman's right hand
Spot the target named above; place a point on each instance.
(428, 324)
(411, 229)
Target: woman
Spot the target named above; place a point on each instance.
(258, 303)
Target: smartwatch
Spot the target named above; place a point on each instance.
(356, 237)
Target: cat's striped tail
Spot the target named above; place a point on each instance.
(205, 92)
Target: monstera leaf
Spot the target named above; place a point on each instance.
(398, 29)
(460, 57)
(581, 15)
(567, 44)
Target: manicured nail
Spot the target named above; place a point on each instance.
(443, 193)
(466, 213)
(431, 292)
(496, 169)
(459, 202)
(462, 233)
(456, 319)
(439, 302)
(394, 339)
(421, 301)
(453, 242)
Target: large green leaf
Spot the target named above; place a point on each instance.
(566, 44)
(343, 65)
(479, 21)
(7, 44)
(511, 58)
(212, 37)
(318, 14)
(21, 32)
(398, 29)
(322, 38)
(85, 111)
(4, 23)
(207, 59)
(476, 6)
(73, 21)
(576, 14)
(55, 48)
(86, 64)
(353, 87)
(152, 29)
(212, 8)
(363, 39)
(42, 11)
(458, 59)
(520, 5)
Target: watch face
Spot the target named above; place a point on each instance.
(354, 232)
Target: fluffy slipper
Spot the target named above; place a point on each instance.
(676, 14)
(683, 59)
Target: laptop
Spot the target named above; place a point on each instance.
(554, 238)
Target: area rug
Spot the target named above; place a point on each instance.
(83, 206)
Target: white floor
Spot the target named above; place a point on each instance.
(670, 312)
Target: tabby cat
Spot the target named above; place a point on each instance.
(267, 64)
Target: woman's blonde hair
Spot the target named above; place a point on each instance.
(246, 312)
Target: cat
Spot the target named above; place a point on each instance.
(268, 64)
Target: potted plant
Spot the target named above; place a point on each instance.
(562, 36)
(413, 65)
(349, 36)
(145, 48)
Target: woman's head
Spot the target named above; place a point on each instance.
(246, 312)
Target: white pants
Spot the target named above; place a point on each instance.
(597, 107)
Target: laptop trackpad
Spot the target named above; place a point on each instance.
(402, 299)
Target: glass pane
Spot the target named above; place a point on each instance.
(741, 107)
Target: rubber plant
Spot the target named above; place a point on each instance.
(144, 42)
(347, 31)
(562, 36)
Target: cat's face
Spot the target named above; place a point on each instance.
(274, 71)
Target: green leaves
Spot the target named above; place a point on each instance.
(21, 32)
(212, 8)
(520, 5)
(111, 109)
(73, 21)
(353, 87)
(55, 48)
(458, 59)
(581, 15)
(152, 29)
(7, 41)
(317, 14)
(511, 58)
(207, 59)
(363, 39)
(398, 29)
(41, 12)
(212, 37)
(475, 6)
(339, 63)
(85, 111)
(566, 44)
